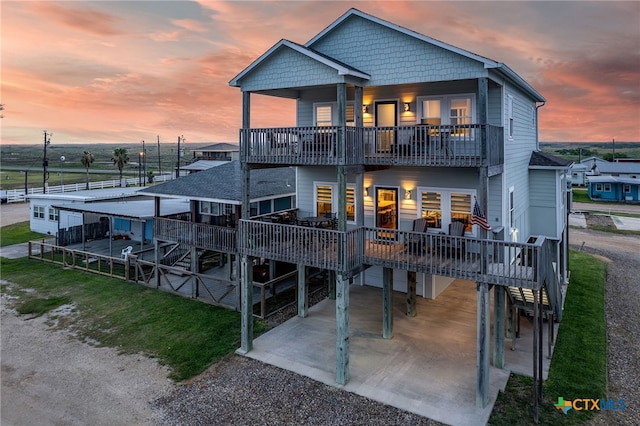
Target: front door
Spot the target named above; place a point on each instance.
(386, 121)
(386, 210)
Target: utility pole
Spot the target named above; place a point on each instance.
(45, 161)
(144, 163)
(614, 151)
(178, 163)
(159, 164)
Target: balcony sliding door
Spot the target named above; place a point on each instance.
(386, 210)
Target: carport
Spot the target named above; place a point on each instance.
(428, 367)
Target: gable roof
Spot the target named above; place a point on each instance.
(219, 147)
(224, 184)
(341, 68)
(345, 69)
(541, 159)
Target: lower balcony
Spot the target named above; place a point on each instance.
(471, 145)
(522, 265)
(200, 235)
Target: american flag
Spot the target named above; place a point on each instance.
(478, 218)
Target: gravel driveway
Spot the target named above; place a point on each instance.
(48, 377)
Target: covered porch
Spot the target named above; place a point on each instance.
(428, 367)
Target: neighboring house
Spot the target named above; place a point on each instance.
(215, 196)
(125, 219)
(201, 165)
(578, 174)
(44, 217)
(221, 151)
(599, 167)
(393, 126)
(612, 188)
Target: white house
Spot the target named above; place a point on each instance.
(45, 218)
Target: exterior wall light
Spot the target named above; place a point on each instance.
(365, 109)
(407, 194)
(407, 106)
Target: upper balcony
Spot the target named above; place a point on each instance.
(471, 145)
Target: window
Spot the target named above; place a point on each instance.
(512, 206)
(326, 114)
(461, 210)
(53, 214)
(38, 212)
(446, 110)
(627, 188)
(510, 116)
(607, 187)
(326, 203)
(431, 209)
(432, 115)
(441, 207)
(213, 209)
(460, 111)
(599, 187)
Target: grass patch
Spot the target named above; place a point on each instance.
(579, 365)
(186, 335)
(17, 233)
(38, 307)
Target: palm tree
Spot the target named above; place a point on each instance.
(120, 158)
(87, 160)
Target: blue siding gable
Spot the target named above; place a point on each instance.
(391, 57)
(286, 69)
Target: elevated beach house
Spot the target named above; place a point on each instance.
(427, 156)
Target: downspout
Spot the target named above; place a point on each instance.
(537, 125)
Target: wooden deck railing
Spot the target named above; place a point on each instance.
(496, 262)
(210, 237)
(469, 145)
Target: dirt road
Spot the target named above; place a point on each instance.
(50, 377)
(13, 213)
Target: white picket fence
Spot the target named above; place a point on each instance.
(18, 195)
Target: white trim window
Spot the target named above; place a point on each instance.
(325, 200)
(627, 188)
(510, 124)
(38, 212)
(446, 110)
(442, 206)
(598, 187)
(53, 214)
(512, 208)
(326, 114)
(607, 187)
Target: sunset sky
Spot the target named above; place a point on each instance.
(124, 71)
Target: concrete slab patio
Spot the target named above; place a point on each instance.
(428, 367)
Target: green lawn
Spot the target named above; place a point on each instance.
(579, 365)
(17, 233)
(186, 335)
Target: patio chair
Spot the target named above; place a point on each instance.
(455, 245)
(126, 252)
(521, 300)
(416, 243)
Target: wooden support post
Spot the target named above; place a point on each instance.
(246, 305)
(498, 326)
(303, 300)
(342, 329)
(156, 248)
(411, 294)
(511, 332)
(194, 272)
(535, 356)
(332, 284)
(540, 345)
(387, 303)
(482, 360)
